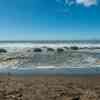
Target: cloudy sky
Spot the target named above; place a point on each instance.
(49, 19)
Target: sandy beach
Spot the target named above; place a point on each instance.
(49, 87)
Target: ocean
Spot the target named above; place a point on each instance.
(54, 71)
(14, 45)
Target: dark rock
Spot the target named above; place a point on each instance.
(59, 50)
(3, 50)
(37, 50)
(50, 49)
(74, 48)
(76, 98)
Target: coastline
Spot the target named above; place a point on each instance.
(69, 75)
(52, 71)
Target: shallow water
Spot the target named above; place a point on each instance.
(51, 71)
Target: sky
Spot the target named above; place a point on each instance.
(49, 19)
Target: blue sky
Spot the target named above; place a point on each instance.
(49, 19)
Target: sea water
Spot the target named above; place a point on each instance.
(51, 71)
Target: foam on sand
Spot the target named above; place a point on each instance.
(45, 67)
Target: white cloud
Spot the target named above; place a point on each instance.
(86, 3)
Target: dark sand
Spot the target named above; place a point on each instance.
(50, 88)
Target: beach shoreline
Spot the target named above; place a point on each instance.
(50, 87)
(49, 72)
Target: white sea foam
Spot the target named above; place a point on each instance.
(24, 45)
(46, 67)
(5, 67)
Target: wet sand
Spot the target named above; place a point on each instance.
(49, 87)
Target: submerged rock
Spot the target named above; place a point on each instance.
(37, 50)
(3, 50)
